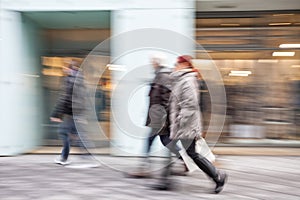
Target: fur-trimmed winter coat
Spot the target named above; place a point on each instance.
(185, 115)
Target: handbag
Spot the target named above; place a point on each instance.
(203, 149)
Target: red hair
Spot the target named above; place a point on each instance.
(185, 58)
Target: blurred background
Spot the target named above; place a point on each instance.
(254, 44)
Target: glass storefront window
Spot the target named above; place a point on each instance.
(262, 88)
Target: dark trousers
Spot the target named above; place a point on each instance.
(166, 141)
(206, 166)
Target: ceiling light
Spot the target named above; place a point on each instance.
(232, 74)
(286, 14)
(289, 46)
(295, 66)
(280, 24)
(267, 61)
(116, 67)
(31, 75)
(230, 24)
(240, 72)
(283, 53)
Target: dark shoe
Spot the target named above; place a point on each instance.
(138, 175)
(162, 186)
(222, 178)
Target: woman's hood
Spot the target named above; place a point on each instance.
(178, 75)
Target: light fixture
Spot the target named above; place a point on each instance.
(295, 66)
(232, 74)
(276, 53)
(284, 14)
(289, 46)
(239, 73)
(116, 67)
(267, 61)
(280, 24)
(31, 75)
(229, 24)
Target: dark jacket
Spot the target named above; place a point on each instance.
(70, 100)
(159, 99)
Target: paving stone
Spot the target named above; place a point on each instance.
(250, 177)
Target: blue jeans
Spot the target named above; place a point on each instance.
(66, 128)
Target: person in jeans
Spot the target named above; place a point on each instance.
(159, 104)
(185, 121)
(70, 100)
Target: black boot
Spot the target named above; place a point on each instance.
(206, 166)
(220, 182)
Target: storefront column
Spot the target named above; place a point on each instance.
(163, 26)
(19, 77)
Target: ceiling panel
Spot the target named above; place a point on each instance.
(71, 20)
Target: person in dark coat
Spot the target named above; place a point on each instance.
(68, 109)
(100, 101)
(158, 110)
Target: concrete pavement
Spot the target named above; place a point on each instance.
(250, 177)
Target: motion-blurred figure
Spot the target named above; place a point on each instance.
(185, 121)
(297, 104)
(69, 102)
(100, 101)
(158, 111)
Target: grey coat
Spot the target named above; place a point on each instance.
(185, 115)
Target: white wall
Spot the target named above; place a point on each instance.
(91, 5)
(19, 115)
(136, 34)
(19, 85)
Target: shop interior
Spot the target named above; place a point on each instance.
(256, 53)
